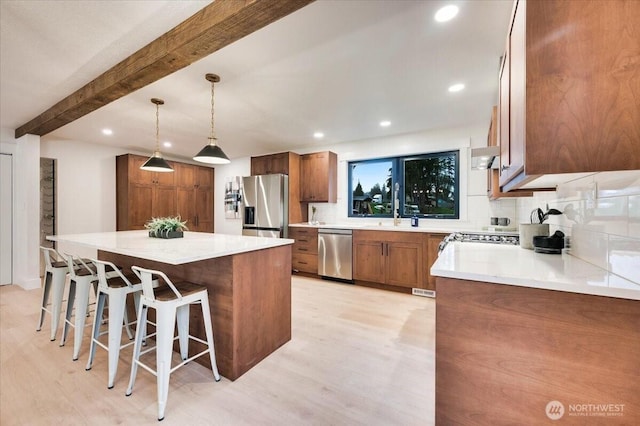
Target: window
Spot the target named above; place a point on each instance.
(427, 186)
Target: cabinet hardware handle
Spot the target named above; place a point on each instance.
(302, 249)
(505, 167)
(303, 263)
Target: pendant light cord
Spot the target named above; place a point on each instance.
(157, 127)
(213, 135)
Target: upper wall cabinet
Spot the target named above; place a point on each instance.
(493, 175)
(319, 177)
(287, 163)
(569, 90)
(271, 164)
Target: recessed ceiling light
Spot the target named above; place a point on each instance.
(385, 123)
(456, 87)
(318, 135)
(107, 132)
(446, 13)
(167, 144)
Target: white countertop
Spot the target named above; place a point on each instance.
(193, 247)
(403, 227)
(513, 265)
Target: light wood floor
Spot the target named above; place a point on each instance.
(358, 356)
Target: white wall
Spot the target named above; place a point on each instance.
(415, 143)
(237, 167)
(26, 207)
(86, 188)
(475, 208)
(602, 216)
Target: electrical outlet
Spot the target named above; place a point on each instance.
(422, 292)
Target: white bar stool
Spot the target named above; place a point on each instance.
(171, 303)
(53, 282)
(114, 291)
(82, 276)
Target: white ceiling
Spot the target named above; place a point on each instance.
(334, 66)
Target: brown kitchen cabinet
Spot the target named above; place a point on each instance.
(140, 195)
(319, 177)
(195, 196)
(391, 258)
(270, 164)
(431, 244)
(494, 191)
(304, 253)
(569, 94)
(287, 163)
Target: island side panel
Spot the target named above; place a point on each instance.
(262, 304)
(504, 352)
(217, 275)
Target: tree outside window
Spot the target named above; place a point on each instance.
(429, 186)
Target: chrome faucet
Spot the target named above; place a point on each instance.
(396, 205)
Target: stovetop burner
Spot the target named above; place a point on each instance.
(481, 237)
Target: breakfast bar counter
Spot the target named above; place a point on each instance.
(248, 278)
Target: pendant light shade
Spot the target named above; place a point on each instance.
(212, 153)
(156, 163)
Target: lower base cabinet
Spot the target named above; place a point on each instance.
(304, 253)
(504, 353)
(395, 258)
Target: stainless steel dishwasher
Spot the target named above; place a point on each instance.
(335, 254)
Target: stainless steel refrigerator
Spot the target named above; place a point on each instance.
(265, 205)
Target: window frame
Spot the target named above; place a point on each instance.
(398, 175)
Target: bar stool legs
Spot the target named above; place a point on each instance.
(82, 278)
(53, 286)
(113, 289)
(172, 305)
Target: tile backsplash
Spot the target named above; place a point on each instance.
(602, 217)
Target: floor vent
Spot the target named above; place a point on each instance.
(422, 292)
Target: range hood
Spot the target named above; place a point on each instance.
(485, 158)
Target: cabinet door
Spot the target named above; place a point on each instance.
(279, 163)
(404, 264)
(186, 206)
(433, 243)
(310, 171)
(204, 177)
(204, 209)
(369, 261)
(140, 206)
(259, 165)
(518, 81)
(185, 175)
(512, 100)
(164, 201)
(167, 179)
(136, 175)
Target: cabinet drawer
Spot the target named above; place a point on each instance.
(305, 262)
(306, 247)
(295, 232)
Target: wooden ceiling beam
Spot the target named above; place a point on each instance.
(212, 28)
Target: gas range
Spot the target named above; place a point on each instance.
(481, 237)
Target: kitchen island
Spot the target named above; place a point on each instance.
(248, 278)
(524, 337)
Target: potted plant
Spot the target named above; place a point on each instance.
(166, 227)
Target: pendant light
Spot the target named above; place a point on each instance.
(212, 153)
(156, 163)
